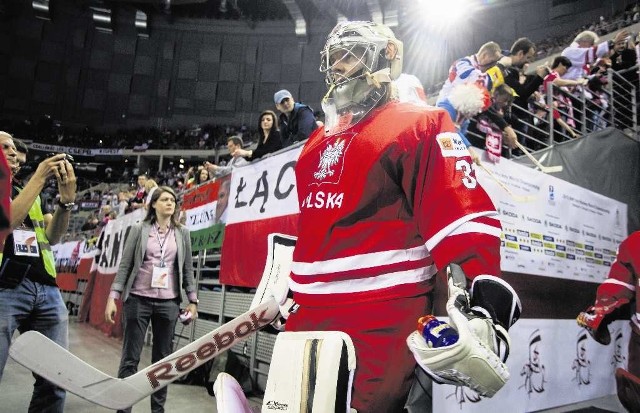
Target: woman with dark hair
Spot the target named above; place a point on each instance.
(201, 176)
(269, 138)
(156, 263)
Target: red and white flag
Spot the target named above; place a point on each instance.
(263, 199)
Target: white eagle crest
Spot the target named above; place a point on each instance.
(329, 157)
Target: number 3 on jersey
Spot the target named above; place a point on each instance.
(467, 180)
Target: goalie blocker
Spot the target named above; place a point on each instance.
(477, 359)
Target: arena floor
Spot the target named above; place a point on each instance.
(103, 353)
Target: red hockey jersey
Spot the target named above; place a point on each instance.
(623, 275)
(386, 203)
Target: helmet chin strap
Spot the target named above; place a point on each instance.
(376, 79)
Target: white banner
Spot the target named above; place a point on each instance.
(201, 217)
(552, 363)
(112, 237)
(265, 189)
(75, 151)
(560, 230)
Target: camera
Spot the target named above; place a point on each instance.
(67, 156)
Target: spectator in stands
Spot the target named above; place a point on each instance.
(29, 296)
(522, 53)
(108, 217)
(156, 263)
(20, 173)
(501, 100)
(141, 194)
(560, 66)
(90, 224)
(585, 50)
(190, 177)
(296, 119)
(623, 58)
(105, 210)
(597, 100)
(123, 203)
(268, 138)
(203, 176)
(149, 187)
(234, 144)
(469, 70)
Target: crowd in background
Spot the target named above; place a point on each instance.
(123, 189)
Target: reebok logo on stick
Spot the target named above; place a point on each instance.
(221, 340)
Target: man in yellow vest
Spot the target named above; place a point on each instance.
(29, 296)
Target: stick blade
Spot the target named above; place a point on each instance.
(552, 169)
(46, 358)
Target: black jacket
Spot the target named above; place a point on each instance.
(273, 143)
(298, 126)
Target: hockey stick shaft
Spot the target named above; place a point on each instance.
(56, 364)
(519, 198)
(545, 169)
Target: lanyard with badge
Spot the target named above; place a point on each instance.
(160, 276)
(25, 243)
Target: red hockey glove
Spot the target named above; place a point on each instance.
(597, 317)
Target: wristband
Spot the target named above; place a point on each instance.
(67, 206)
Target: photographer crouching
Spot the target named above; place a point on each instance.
(29, 296)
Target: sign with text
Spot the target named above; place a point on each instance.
(559, 230)
(205, 210)
(263, 199)
(112, 240)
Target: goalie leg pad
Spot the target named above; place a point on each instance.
(229, 395)
(274, 283)
(311, 371)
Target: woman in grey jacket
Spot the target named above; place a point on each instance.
(156, 262)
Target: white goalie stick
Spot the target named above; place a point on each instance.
(46, 358)
(516, 197)
(545, 169)
(56, 364)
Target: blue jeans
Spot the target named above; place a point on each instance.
(39, 307)
(137, 313)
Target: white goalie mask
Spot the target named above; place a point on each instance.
(359, 59)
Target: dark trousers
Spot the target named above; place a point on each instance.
(138, 312)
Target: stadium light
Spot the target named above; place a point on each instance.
(445, 13)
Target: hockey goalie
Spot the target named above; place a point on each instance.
(387, 197)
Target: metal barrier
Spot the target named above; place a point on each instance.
(565, 113)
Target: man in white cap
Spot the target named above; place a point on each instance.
(296, 119)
